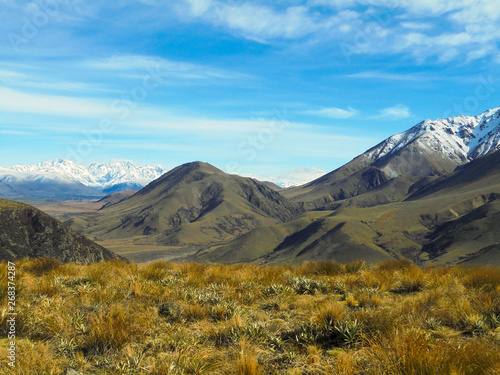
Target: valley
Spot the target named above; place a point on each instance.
(429, 194)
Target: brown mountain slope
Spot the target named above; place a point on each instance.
(477, 174)
(313, 236)
(194, 204)
(27, 232)
(368, 172)
(114, 198)
(429, 149)
(452, 220)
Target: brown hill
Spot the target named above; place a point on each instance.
(194, 204)
(26, 232)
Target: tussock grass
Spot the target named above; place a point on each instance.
(316, 318)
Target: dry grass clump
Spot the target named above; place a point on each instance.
(413, 351)
(316, 318)
(41, 266)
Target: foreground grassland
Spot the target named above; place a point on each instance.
(318, 318)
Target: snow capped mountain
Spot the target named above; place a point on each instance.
(98, 176)
(461, 139)
(430, 149)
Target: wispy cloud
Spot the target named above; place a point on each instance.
(146, 117)
(16, 101)
(14, 132)
(374, 74)
(11, 78)
(157, 66)
(7, 75)
(265, 23)
(451, 30)
(332, 112)
(254, 21)
(417, 25)
(396, 112)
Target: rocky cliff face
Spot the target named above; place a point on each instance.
(26, 232)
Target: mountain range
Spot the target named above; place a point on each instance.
(404, 161)
(64, 179)
(452, 219)
(429, 194)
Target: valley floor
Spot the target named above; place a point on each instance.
(317, 318)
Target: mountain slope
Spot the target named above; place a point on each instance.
(194, 204)
(429, 149)
(114, 198)
(450, 220)
(28, 232)
(313, 236)
(478, 174)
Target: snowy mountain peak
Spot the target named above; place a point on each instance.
(96, 175)
(461, 138)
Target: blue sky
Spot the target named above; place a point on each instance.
(283, 90)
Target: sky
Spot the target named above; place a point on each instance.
(279, 90)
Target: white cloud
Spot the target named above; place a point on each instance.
(332, 112)
(391, 76)
(396, 112)
(157, 66)
(14, 132)
(198, 7)
(452, 28)
(11, 78)
(417, 25)
(426, 7)
(263, 23)
(20, 102)
(7, 75)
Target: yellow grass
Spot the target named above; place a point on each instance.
(316, 318)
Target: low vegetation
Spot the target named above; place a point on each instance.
(317, 318)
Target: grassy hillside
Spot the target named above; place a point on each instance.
(317, 318)
(437, 230)
(28, 232)
(194, 204)
(448, 220)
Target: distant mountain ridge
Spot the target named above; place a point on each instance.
(63, 178)
(430, 149)
(461, 138)
(430, 194)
